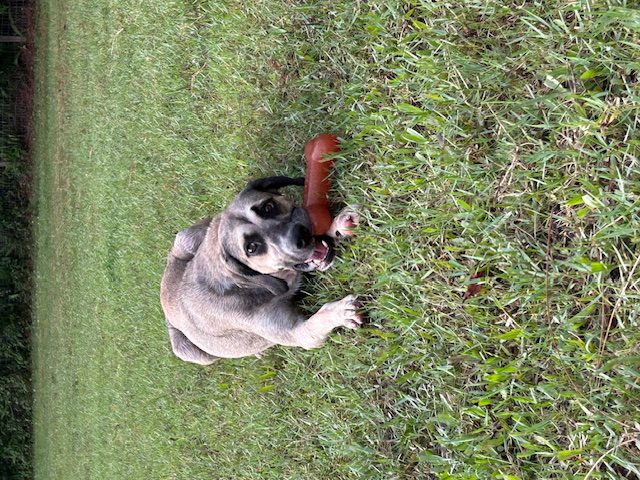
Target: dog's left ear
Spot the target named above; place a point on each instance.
(273, 184)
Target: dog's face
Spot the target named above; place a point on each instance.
(263, 230)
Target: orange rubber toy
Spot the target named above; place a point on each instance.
(317, 183)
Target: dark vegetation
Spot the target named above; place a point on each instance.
(15, 241)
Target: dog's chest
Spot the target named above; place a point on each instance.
(292, 278)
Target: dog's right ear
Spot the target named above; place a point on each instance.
(273, 184)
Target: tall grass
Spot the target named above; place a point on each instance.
(494, 146)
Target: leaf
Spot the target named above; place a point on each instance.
(542, 441)
(582, 316)
(407, 377)
(592, 267)
(598, 267)
(408, 108)
(477, 411)
(266, 388)
(583, 212)
(552, 83)
(273, 30)
(382, 334)
(523, 400)
(414, 136)
(591, 73)
(418, 25)
(575, 200)
(434, 96)
(430, 457)
(463, 204)
(630, 360)
(591, 202)
(268, 374)
(446, 419)
(495, 377)
(512, 335)
(566, 454)
(475, 288)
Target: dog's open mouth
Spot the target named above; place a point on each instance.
(322, 256)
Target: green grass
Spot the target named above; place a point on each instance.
(494, 140)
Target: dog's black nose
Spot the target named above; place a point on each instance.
(302, 236)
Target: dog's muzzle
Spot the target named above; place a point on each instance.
(323, 251)
(321, 257)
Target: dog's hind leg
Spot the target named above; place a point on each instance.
(186, 350)
(188, 240)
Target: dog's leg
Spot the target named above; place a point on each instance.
(275, 323)
(288, 327)
(314, 331)
(344, 222)
(188, 240)
(187, 351)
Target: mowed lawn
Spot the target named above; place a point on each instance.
(494, 147)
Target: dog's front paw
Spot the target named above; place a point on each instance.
(343, 313)
(343, 224)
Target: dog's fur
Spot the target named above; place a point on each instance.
(228, 285)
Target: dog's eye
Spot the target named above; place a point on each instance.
(269, 209)
(254, 247)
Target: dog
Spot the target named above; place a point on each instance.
(227, 289)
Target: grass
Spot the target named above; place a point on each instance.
(495, 147)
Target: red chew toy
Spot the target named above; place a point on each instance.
(317, 184)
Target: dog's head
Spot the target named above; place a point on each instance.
(264, 231)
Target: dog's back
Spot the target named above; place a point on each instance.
(184, 249)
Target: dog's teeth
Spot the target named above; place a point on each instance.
(325, 243)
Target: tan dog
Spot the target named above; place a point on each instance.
(228, 285)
